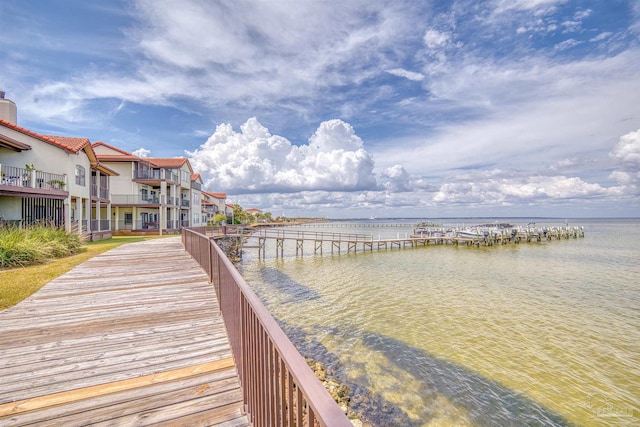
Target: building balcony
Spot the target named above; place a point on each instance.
(100, 225)
(155, 175)
(146, 225)
(134, 199)
(21, 181)
(99, 192)
(208, 209)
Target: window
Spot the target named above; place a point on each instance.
(186, 177)
(128, 218)
(80, 175)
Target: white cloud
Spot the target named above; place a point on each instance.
(602, 36)
(528, 114)
(624, 178)
(516, 190)
(410, 75)
(434, 39)
(545, 5)
(581, 14)
(571, 26)
(627, 150)
(567, 44)
(398, 179)
(141, 152)
(254, 161)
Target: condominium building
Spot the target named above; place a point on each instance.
(151, 195)
(96, 189)
(51, 179)
(213, 204)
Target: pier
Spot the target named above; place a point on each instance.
(430, 236)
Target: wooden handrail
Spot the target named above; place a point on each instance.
(279, 387)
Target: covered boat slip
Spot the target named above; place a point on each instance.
(131, 337)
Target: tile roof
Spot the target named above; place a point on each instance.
(216, 195)
(71, 143)
(35, 135)
(104, 144)
(220, 195)
(168, 162)
(67, 143)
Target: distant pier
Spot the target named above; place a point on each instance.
(428, 236)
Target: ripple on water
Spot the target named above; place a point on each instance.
(540, 334)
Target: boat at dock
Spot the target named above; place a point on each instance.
(493, 233)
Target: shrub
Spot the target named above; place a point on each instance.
(21, 247)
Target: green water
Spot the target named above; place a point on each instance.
(529, 334)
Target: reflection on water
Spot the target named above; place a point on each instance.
(536, 334)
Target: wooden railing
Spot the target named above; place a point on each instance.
(279, 387)
(286, 234)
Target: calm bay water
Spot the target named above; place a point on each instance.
(529, 334)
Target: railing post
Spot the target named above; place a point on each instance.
(211, 263)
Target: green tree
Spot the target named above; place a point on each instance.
(240, 216)
(219, 218)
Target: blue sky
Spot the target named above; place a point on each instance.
(352, 108)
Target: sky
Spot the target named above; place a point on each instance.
(349, 109)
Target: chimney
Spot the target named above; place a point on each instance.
(8, 109)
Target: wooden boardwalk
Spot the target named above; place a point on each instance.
(131, 337)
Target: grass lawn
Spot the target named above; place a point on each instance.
(17, 284)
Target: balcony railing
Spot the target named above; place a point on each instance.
(100, 192)
(211, 210)
(134, 199)
(147, 174)
(279, 387)
(156, 174)
(173, 201)
(100, 225)
(29, 178)
(137, 225)
(185, 203)
(196, 185)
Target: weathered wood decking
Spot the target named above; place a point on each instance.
(131, 337)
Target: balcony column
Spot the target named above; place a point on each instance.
(134, 216)
(79, 214)
(87, 213)
(117, 216)
(67, 214)
(97, 184)
(98, 216)
(162, 220)
(109, 214)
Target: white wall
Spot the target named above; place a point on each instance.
(49, 158)
(11, 208)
